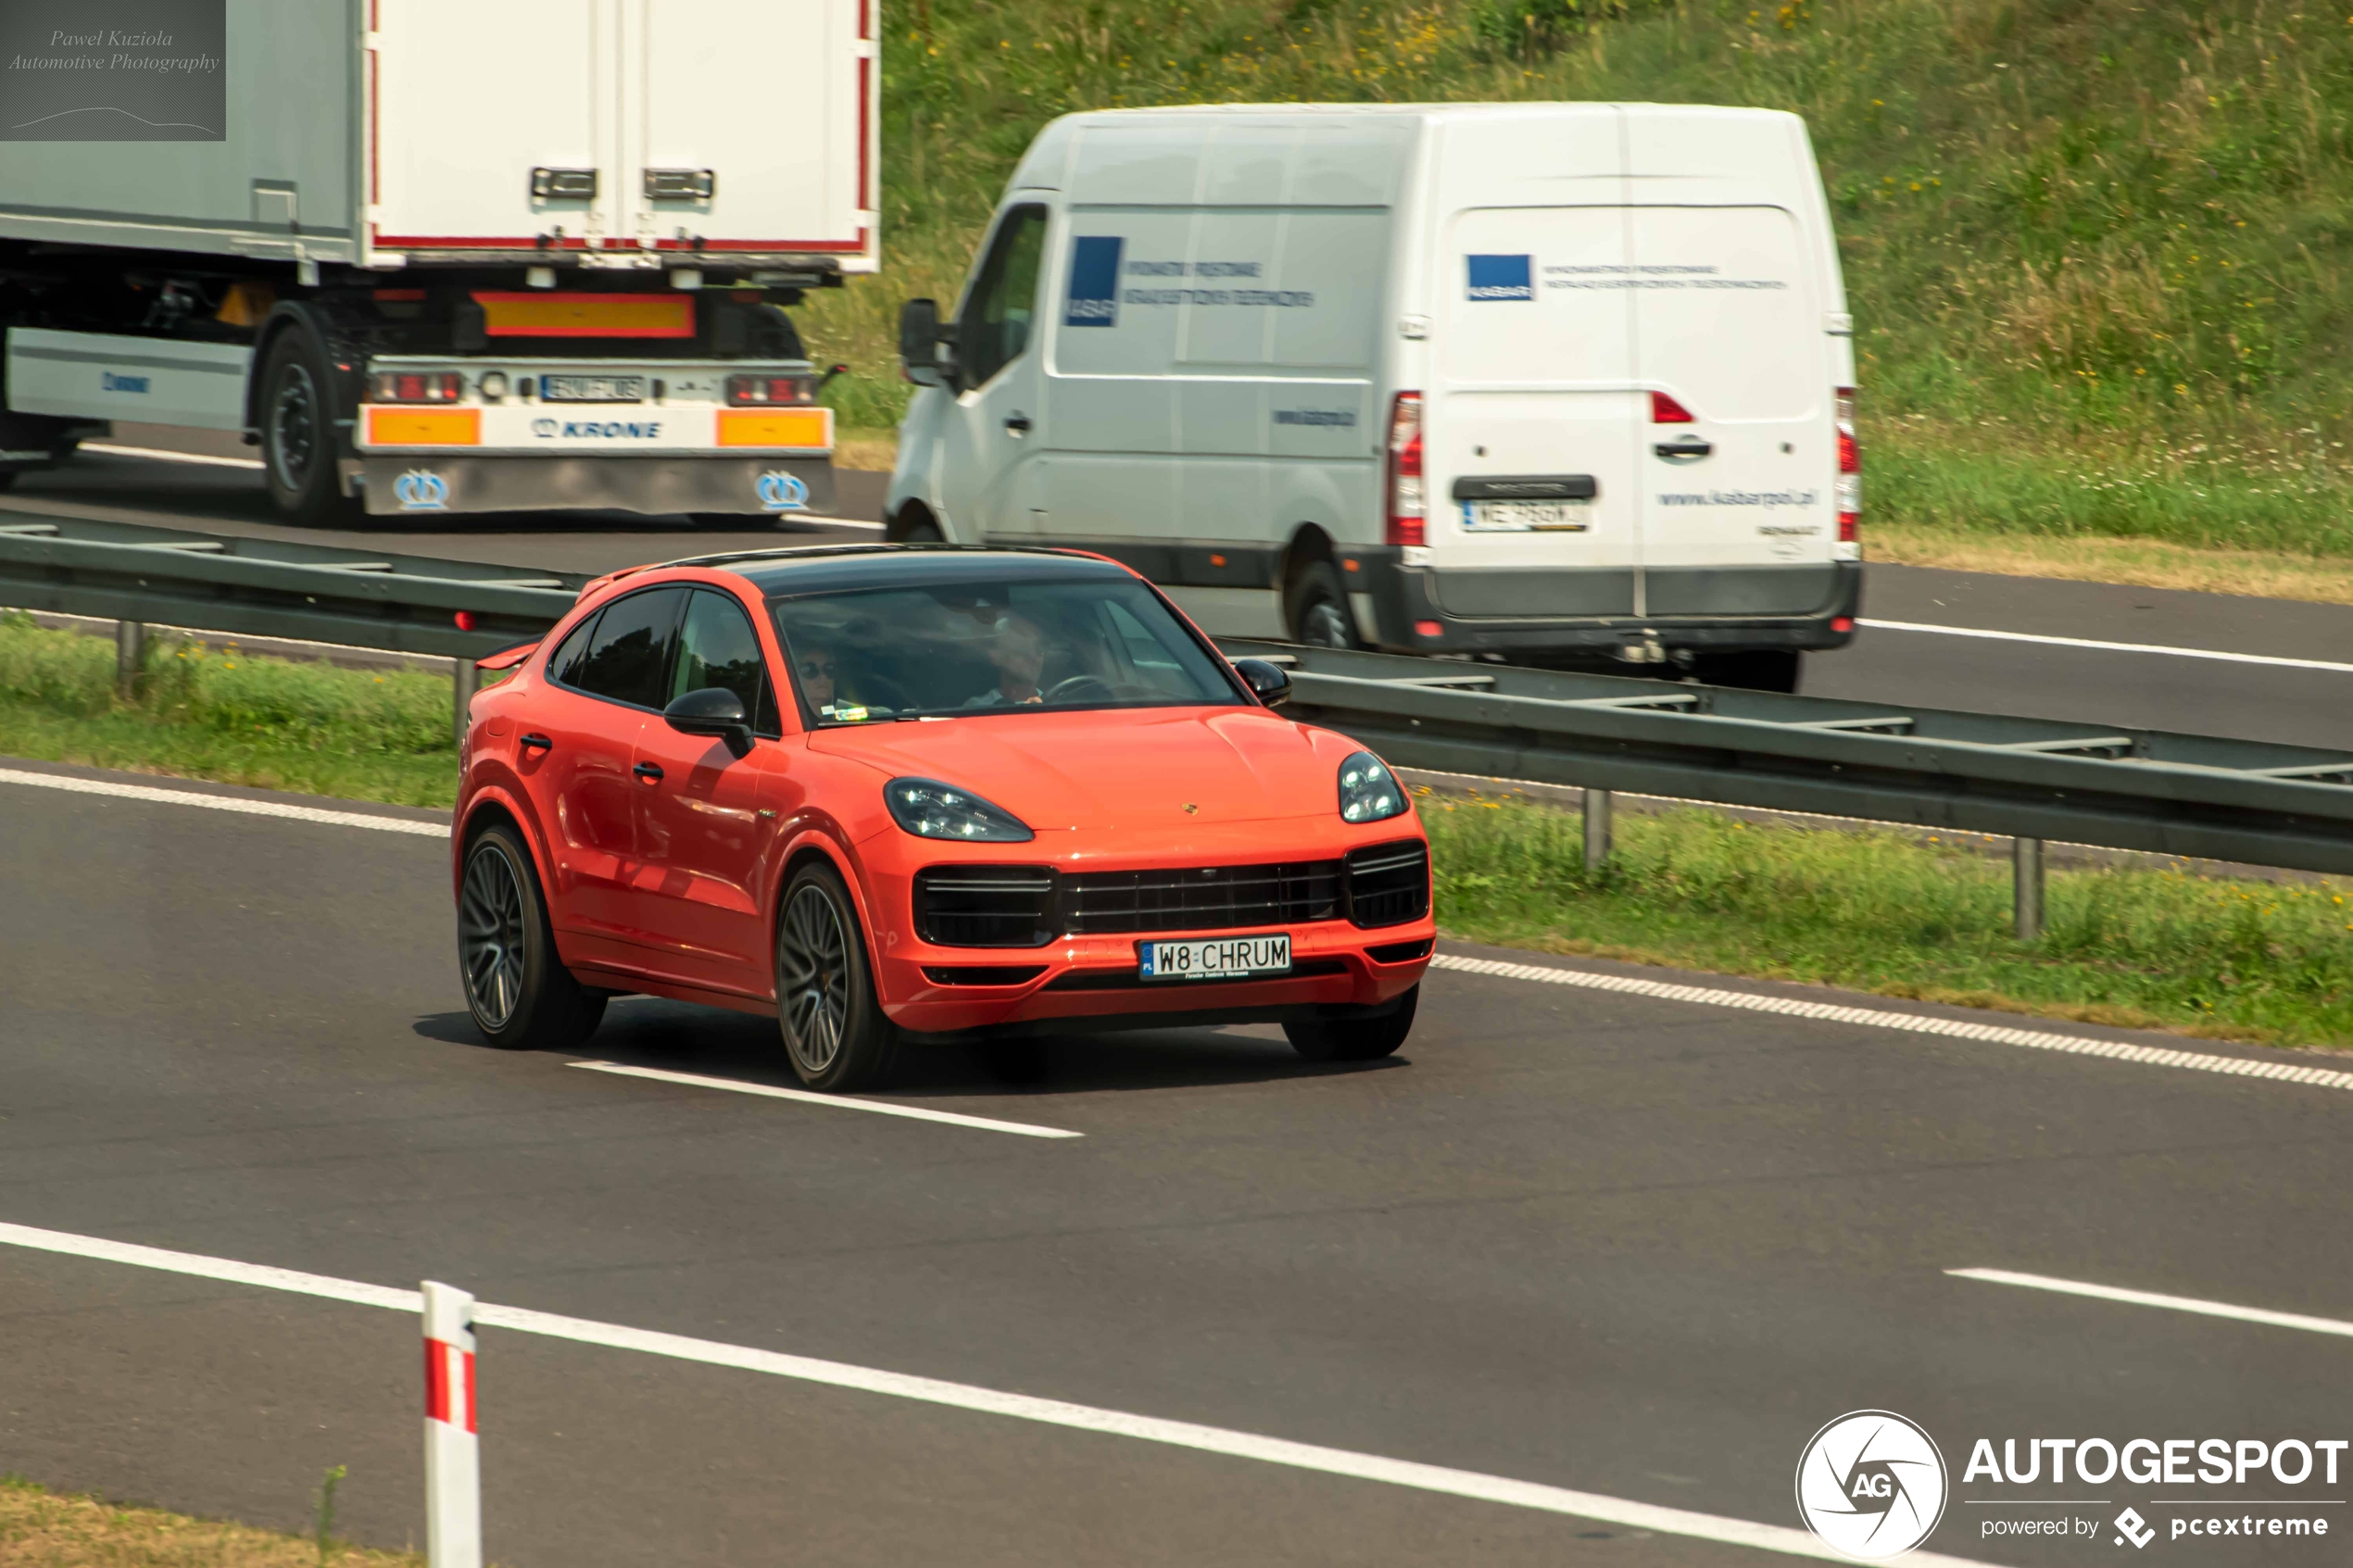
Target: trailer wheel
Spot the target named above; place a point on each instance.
(298, 432)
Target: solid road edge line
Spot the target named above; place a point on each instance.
(2153, 1298)
(2098, 646)
(838, 1103)
(1910, 1022)
(1409, 1474)
(223, 803)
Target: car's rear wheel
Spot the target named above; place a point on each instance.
(1357, 1039)
(835, 1035)
(518, 990)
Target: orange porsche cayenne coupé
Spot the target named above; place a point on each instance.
(896, 792)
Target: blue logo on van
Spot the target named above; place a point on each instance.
(1094, 282)
(1500, 277)
(109, 382)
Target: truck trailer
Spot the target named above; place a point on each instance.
(441, 256)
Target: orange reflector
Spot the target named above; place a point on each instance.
(776, 427)
(1429, 629)
(543, 314)
(423, 427)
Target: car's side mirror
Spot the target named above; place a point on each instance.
(919, 339)
(1269, 682)
(714, 712)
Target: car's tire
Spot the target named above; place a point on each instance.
(914, 525)
(297, 413)
(834, 1035)
(1316, 607)
(1759, 670)
(1357, 1039)
(518, 990)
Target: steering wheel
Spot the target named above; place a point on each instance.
(1081, 688)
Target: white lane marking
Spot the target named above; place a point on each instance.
(160, 455)
(842, 522)
(839, 1102)
(224, 803)
(986, 1401)
(2106, 647)
(2152, 1299)
(1873, 1018)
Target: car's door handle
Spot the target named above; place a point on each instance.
(542, 742)
(1684, 449)
(649, 771)
(1018, 423)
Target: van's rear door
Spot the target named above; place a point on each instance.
(1737, 512)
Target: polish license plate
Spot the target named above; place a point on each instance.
(1521, 517)
(592, 389)
(1216, 958)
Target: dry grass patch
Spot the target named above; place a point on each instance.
(43, 1529)
(2146, 562)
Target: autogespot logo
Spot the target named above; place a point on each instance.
(1871, 1485)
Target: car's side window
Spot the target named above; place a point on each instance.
(998, 319)
(718, 647)
(564, 664)
(629, 652)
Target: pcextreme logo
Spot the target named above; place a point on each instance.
(1871, 1485)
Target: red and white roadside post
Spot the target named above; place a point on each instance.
(453, 1455)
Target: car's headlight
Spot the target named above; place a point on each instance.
(931, 810)
(1368, 791)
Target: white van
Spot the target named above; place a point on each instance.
(1557, 383)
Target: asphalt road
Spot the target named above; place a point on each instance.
(2042, 678)
(1637, 1247)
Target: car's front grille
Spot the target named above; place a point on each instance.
(985, 906)
(1199, 898)
(1387, 884)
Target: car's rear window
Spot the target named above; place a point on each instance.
(981, 646)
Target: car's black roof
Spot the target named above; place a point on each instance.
(832, 568)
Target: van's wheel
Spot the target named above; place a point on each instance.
(912, 525)
(521, 995)
(1316, 607)
(835, 1035)
(298, 432)
(1357, 1039)
(1758, 670)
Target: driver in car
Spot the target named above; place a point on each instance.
(1018, 651)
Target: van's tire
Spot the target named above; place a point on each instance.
(298, 415)
(1316, 607)
(834, 1035)
(518, 991)
(912, 525)
(1759, 670)
(1357, 1039)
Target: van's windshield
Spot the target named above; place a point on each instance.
(979, 647)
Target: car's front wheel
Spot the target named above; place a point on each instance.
(1357, 1039)
(518, 990)
(834, 1033)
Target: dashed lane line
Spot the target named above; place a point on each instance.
(160, 454)
(837, 1102)
(1913, 1023)
(1408, 1473)
(2152, 1299)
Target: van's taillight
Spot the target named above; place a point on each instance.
(1665, 410)
(1407, 515)
(744, 391)
(415, 386)
(1850, 470)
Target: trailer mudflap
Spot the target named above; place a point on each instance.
(416, 485)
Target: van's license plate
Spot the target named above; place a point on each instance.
(592, 389)
(1521, 517)
(1221, 958)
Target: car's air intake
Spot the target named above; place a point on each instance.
(1387, 884)
(985, 906)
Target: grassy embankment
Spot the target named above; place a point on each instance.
(2094, 246)
(40, 1528)
(1873, 912)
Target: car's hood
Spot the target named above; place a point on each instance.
(1118, 769)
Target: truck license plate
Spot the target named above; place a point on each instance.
(592, 389)
(1220, 958)
(1521, 517)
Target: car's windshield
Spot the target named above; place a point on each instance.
(979, 646)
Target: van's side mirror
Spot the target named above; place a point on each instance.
(714, 712)
(1268, 681)
(919, 342)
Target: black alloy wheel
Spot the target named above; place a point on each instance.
(1316, 609)
(519, 994)
(835, 1033)
(297, 432)
(1357, 1039)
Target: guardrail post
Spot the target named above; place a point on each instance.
(466, 680)
(130, 648)
(2026, 886)
(1596, 829)
(453, 1457)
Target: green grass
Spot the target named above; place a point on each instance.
(1877, 911)
(210, 712)
(2094, 246)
